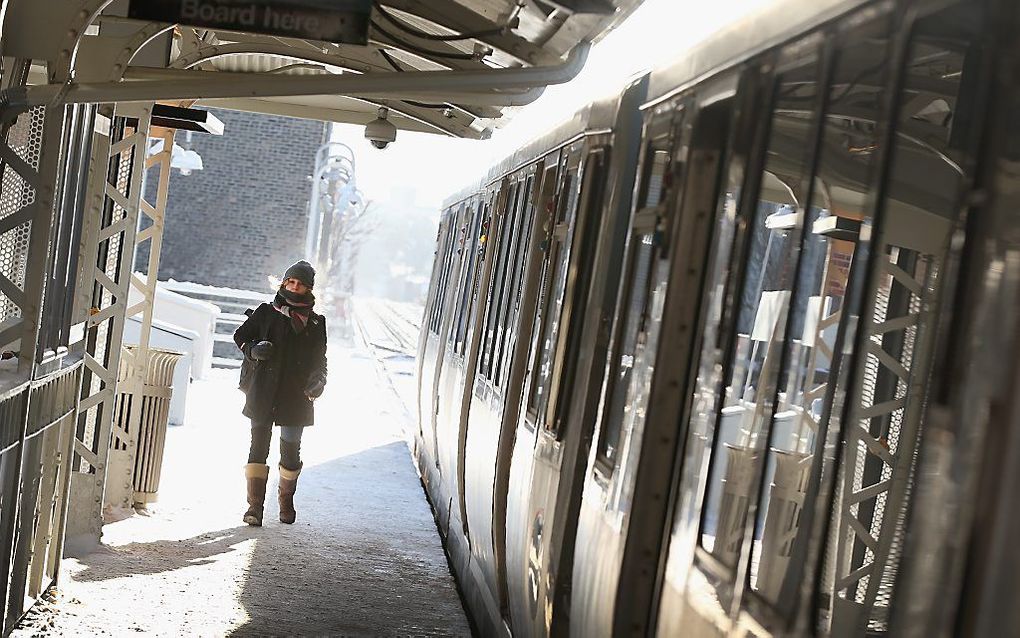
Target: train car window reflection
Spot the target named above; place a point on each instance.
(910, 280)
(507, 275)
(496, 283)
(559, 256)
(618, 406)
(592, 194)
(839, 204)
(762, 317)
(468, 260)
(477, 259)
(440, 265)
(454, 285)
(652, 189)
(710, 360)
(646, 274)
(517, 261)
(447, 256)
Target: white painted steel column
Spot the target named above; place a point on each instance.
(139, 361)
(114, 200)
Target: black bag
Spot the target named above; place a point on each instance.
(249, 366)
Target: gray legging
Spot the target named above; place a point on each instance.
(290, 444)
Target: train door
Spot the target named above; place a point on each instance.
(548, 236)
(624, 504)
(573, 225)
(430, 353)
(485, 414)
(451, 376)
(519, 339)
(601, 530)
(454, 421)
(738, 393)
(491, 200)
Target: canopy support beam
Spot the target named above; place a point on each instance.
(436, 83)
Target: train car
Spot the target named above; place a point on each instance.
(525, 250)
(762, 382)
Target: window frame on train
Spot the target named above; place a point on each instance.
(558, 258)
(470, 264)
(661, 135)
(590, 199)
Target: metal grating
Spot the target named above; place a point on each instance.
(24, 139)
(26, 136)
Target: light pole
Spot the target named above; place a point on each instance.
(333, 180)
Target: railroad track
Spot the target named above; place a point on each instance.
(388, 325)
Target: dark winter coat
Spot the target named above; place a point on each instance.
(277, 391)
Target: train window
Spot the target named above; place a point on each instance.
(430, 309)
(558, 260)
(455, 236)
(911, 279)
(573, 316)
(469, 269)
(839, 205)
(762, 316)
(655, 171)
(497, 283)
(437, 269)
(510, 238)
(457, 264)
(547, 214)
(484, 220)
(446, 259)
(516, 261)
(645, 273)
(730, 231)
(632, 334)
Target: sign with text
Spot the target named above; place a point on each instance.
(327, 20)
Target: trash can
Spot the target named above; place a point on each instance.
(149, 405)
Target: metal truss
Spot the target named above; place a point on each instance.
(881, 441)
(115, 203)
(134, 367)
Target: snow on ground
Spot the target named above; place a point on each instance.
(363, 559)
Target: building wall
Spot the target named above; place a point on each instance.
(243, 217)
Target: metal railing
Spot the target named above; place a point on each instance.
(37, 421)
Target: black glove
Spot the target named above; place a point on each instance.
(316, 386)
(261, 350)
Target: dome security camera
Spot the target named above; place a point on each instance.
(380, 131)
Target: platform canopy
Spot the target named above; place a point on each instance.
(453, 67)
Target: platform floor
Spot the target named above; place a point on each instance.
(363, 559)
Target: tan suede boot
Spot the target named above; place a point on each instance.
(288, 485)
(257, 475)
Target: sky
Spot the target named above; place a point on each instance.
(436, 167)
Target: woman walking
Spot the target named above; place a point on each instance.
(284, 344)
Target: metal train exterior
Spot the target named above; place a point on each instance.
(735, 352)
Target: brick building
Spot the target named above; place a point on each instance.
(244, 216)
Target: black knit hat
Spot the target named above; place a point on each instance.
(303, 272)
